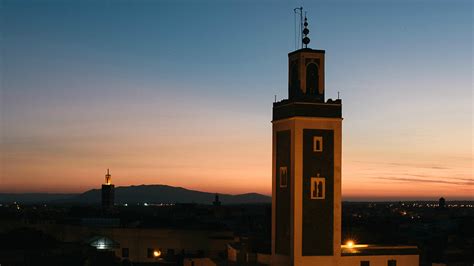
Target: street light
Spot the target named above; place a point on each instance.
(350, 244)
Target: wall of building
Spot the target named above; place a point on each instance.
(297, 125)
(265, 259)
(381, 260)
(334, 125)
(199, 262)
(232, 253)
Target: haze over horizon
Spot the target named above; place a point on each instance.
(180, 93)
(46, 197)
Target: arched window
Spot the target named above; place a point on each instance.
(312, 79)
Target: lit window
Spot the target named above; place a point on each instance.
(317, 144)
(392, 263)
(283, 176)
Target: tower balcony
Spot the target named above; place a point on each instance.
(307, 108)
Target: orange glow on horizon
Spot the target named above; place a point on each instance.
(205, 163)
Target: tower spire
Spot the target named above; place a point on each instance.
(306, 39)
(108, 178)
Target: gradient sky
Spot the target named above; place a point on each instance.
(181, 92)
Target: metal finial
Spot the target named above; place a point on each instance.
(306, 39)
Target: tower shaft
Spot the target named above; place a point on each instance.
(108, 193)
(306, 174)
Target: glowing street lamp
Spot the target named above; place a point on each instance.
(156, 253)
(350, 244)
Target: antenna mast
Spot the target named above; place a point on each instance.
(299, 10)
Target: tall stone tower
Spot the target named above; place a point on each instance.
(306, 175)
(108, 193)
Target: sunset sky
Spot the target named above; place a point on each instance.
(181, 92)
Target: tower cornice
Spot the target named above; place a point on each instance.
(307, 50)
(288, 108)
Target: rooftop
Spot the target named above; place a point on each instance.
(366, 250)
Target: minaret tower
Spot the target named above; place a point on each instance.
(306, 174)
(108, 191)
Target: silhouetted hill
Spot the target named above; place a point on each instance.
(167, 194)
(138, 194)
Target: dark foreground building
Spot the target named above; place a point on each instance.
(108, 193)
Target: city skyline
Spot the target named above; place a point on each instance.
(181, 94)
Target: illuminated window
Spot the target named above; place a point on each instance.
(365, 263)
(392, 263)
(283, 176)
(125, 252)
(317, 144)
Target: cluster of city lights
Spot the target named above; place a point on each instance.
(146, 204)
(157, 204)
(435, 205)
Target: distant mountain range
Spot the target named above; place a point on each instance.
(138, 194)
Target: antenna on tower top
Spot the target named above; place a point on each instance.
(298, 30)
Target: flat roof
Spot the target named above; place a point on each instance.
(307, 50)
(367, 250)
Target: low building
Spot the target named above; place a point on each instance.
(146, 244)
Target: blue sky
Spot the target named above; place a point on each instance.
(133, 85)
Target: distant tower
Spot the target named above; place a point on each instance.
(108, 192)
(306, 175)
(442, 202)
(216, 200)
